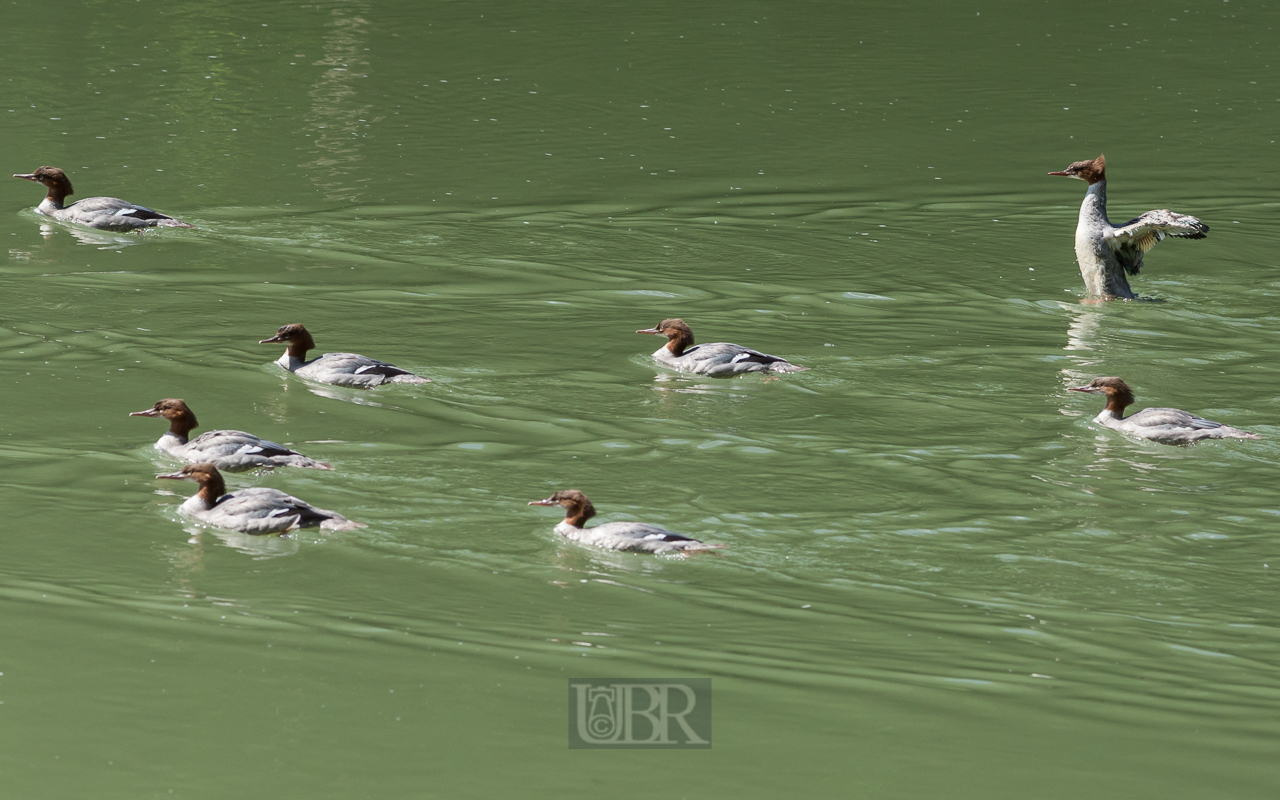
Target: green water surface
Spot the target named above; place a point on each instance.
(942, 579)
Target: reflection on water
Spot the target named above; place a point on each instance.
(339, 112)
(1082, 330)
(103, 240)
(685, 384)
(259, 547)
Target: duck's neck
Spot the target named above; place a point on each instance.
(1095, 200)
(679, 343)
(577, 516)
(181, 427)
(211, 490)
(1116, 404)
(294, 357)
(55, 195)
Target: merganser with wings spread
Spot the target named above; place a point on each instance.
(1106, 251)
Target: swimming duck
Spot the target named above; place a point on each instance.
(254, 510)
(718, 359)
(1165, 425)
(340, 369)
(104, 213)
(229, 450)
(636, 536)
(1106, 252)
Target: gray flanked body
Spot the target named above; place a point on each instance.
(1108, 253)
(1099, 265)
(634, 536)
(1170, 426)
(263, 510)
(108, 214)
(348, 369)
(722, 359)
(1164, 425)
(234, 451)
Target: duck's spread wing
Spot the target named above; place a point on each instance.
(1170, 418)
(1133, 239)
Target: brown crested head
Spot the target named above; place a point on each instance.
(172, 409)
(1091, 171)
(295, 335)
(678, 334)
(577, 507)
(54, 179)
(1119, 395)
(207, 475)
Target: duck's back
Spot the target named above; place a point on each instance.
(264, 510)
(723, 359)
(637, 536)
(352, 369)
(237, 451)
(1175, 426)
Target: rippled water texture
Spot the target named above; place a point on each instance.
(942, 578)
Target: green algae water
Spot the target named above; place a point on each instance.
(941, 578)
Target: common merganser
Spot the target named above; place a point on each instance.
(105, 213)
(253, 510)
(637, 536)
(230, 450)
(1105, 251)
(1165, 425)
(718, 359)
(340, 369)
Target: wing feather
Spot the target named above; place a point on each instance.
(1131, 241)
